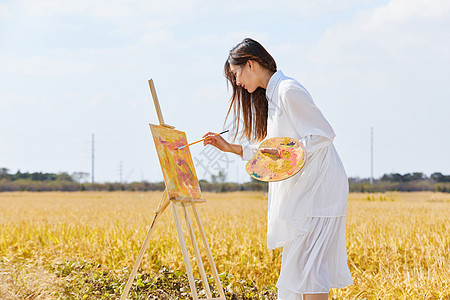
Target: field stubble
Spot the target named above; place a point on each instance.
(398, 243)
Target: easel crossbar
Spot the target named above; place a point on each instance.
(190, 200)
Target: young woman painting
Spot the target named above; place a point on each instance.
(307, 212)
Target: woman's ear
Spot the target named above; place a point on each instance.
(250, 64)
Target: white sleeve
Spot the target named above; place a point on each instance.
(306, 117)
(313, 143)
(248, 151)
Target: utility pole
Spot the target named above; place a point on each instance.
(120, 172)
(92, 158)
(371, 155)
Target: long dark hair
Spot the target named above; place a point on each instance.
(253, 106)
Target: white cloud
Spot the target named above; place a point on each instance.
(299, 9)
(185, 8)
(158, 37)
(210, 95)
(104, 8)
(5, 11)
(152, 25)
(45, 8)
(97, 98)
(167, 6)
(8, 99)
(229, 39)
(406, 10)
(392, 31)
(43, 65)
(87, 53)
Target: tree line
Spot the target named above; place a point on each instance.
(39, 181)
(409, 182)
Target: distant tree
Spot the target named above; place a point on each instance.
(222, 176)
(418, 176)
(393, 177)
(213, 178)
(358, 180)
(64, 177)
(79, 176)
(396, 177)
(39, 176)
(407, 177)
(4, 173)
(19, 175)
(438, 177)
(386, 178)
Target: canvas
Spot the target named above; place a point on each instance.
(177, 165)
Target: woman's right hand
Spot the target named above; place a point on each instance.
(216, 141)
(220, 143)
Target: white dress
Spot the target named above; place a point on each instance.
(307, 212)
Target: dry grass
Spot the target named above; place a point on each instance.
(398, 243)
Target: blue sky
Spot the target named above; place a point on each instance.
(70, 69)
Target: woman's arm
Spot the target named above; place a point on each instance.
(306, 118)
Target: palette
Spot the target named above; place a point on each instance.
(289, 160)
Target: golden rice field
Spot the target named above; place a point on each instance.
(398, 243)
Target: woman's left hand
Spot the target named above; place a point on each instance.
(272, 151)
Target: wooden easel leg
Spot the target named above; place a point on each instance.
(208, 252)
(163, 205)
(196, 251)
(185, 253)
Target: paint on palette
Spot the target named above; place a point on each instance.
(289, 160)
(177, 165)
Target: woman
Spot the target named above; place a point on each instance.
(307, 212)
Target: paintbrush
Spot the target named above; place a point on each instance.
(200, 140)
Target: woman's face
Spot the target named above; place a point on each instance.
(245, 76)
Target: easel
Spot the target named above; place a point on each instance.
(183, 203)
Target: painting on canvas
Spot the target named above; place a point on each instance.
(177, 165)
